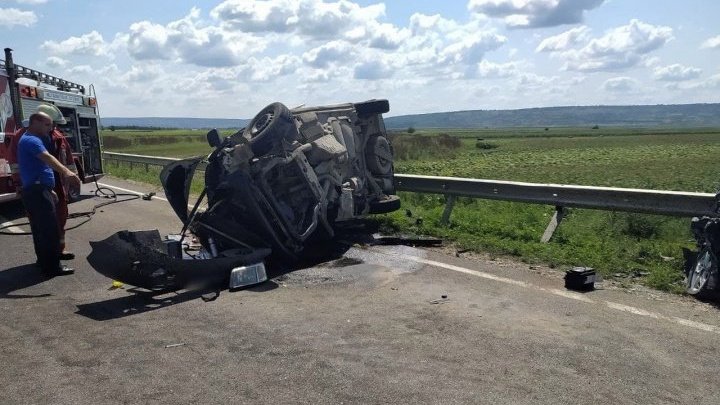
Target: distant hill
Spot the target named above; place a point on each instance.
(169, 122)
(680, 115)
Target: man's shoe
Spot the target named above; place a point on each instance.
(63, 270)
(67, 256)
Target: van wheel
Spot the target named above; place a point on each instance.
(379, 156)
(271, 125)
(388, 204)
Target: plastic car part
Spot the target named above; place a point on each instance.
(701, 271)
(140, 258)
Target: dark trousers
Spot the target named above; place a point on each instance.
(40, 204)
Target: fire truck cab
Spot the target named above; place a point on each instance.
(22, 90)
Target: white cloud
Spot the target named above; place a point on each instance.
(257, 16)
(80, 69)
(373, 70)
(564, 41)
(323, 56)
(676, 73)
(378, 35)
(534, 13)
(713, 81)
(31, 2)
(711, 43)
(91, 43)
(471, 49)
(619, 48)
(267, 69)
(56, 62)
(312, 19)
(142, 73)
(440, 47)
(189, 40)
(497, 70)
(148, 41)
(535, 81)
(620, 84)
(10, 17)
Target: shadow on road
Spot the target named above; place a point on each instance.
(18, 278)
(13, 210)
(140, 301)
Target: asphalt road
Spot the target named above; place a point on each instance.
(368, 327)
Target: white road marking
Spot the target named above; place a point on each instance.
(562, 293)
(10, 229)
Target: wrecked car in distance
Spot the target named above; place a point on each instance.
(273, 188)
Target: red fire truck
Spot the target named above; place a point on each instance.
(22, 90)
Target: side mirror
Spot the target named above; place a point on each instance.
(213, 138)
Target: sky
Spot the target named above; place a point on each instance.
(228, 59)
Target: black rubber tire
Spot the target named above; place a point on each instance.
(389, 204)
(269, 127)
(372, 107)
(379, 156)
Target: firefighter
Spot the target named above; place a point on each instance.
(37, 167)
(58, 147)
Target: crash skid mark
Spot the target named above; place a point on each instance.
(357, 267)
(420, 259)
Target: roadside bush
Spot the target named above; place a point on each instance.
(449, 142)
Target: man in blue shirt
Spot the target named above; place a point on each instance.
(36, 166)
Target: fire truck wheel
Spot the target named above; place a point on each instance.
(269, 127)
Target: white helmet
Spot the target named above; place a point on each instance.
(53, 112)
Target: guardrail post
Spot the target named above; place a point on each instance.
(449, 204)
(554, 223)
(147, 167)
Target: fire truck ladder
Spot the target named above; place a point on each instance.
(61, 84)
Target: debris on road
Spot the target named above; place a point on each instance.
(443, 299)
(174, 345)
(580, 279)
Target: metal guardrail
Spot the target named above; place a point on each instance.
(676, 203)
(660, 202)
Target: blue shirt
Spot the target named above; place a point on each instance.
(32, 169)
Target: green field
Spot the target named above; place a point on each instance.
(644, 247)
